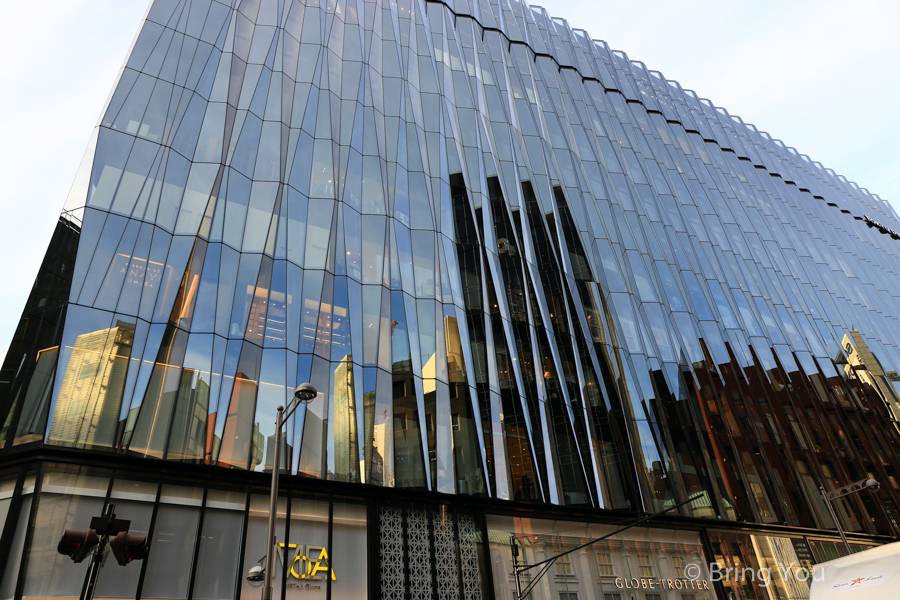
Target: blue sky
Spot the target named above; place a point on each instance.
(822, 76)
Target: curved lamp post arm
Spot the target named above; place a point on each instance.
(850, 488)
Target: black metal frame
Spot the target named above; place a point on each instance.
(33, 459)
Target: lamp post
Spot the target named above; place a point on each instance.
(850, 488)
(304, 394)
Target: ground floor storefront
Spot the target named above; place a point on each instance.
(346, 542)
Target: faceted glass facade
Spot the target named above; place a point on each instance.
(516, 265)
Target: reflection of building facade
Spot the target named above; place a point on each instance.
(87, 407)
(862, 364)
(346, 449)
(637, 562)
(527, 276)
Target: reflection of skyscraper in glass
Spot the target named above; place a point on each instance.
(241, 434)
(286, 453)
(862, 364)
(547, 273)
(256, 452)
(87, 410)
(369, 453)
(187, 440)
(346, 454)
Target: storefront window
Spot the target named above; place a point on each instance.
(69, 497)
(13, 562)
(255, 545)
(134, 498)
(737, 565)
(637, 564)
(348, 538)
(174, 534)
(825, 550)
(787, 562)
(306, 558)
(7, 487)
(220, 545)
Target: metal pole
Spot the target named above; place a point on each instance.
(273, 505)
(97, 559)
(515, 557)
(94, 570)
(834, 516)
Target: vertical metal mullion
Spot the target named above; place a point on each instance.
(330, 548)
(29, 533)
(286, 558)
(454, 531)
(487, 585)
(711, 558)
(404, 541)
(198, 539)
(432, 546)
(239, 574)
(150, 532)
(373, 533)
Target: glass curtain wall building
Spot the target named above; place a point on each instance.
(539, 287)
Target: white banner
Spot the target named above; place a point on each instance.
(856, 583)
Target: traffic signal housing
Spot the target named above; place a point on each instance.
(78, 544)
(127, 548)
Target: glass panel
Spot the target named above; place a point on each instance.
(33, 420)
(259, 216)
(196, 197)
(96, 365)
(134, 498)
(14, 561)
(240, 432)
(69, 498)
(789, 564)
(255, 545)
(343, 435)
(220, 547)
(152, 426)
(168, 571)
(734, 557)
(272, 393)
(307, 557)
(640, 562)
(349, 557)
(109, 161)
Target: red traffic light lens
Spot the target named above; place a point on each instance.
(127, 548)
(78, 544)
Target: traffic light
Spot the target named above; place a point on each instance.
(127, 548)
(78, 544)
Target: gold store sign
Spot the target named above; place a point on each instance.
(307, 561)
(647, 583)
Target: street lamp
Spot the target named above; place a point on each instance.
(304, 394)
(851, 488)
